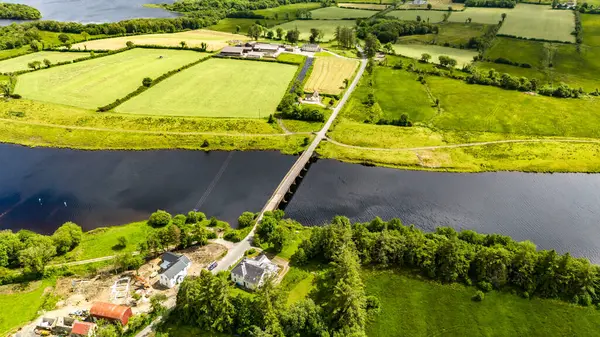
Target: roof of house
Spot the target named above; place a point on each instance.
(237, 50)
(172, 264)
(253, 270)
(109, 310)
(310, 45)
(82, 328)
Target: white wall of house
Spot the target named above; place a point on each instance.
(171, 282)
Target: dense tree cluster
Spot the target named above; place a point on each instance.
(389, 29)
(345, 36)
(223, 8)
(18, 12)
(584, 8)
(33, 251)
(290, 109)
(274, 230)
(489, 261)
(488, 3)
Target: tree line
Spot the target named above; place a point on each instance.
(489, 261)
(489, 3)
(19, 12)
(389, 29)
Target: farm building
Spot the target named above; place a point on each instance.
(254, 55)
(311, 47)
(251, 273)
(266, 48)
(110, 312)
(312, 97)
(232, 51)
(83, 329)
(173, 268)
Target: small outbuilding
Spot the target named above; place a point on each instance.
(173, 269)
(110, 312)
(311, 47)
(83, 329)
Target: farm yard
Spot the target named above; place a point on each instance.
(327, 26)
(462, 56)
(336, 13)
(425, 15)
(489, 16)
(100, 81)
(540, 22)
(21, 62)
(215, 40)
(329, 73)
(217, 88)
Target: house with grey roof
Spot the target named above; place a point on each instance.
(173, 269)
(251, 273)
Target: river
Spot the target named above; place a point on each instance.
(93, 11)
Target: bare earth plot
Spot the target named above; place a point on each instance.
(329, 73)
(331, 13)
(462, 56)
(97, 82)
(327, 26)
(489, 16)
(217, 88)
(193, 38)
(425, 15)
(20, 63)
(540, 22)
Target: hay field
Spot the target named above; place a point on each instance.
(20, 63)
(217, 88)
(462, 56)
(540, 22)
(410, 15)
(329, 73)
(193, 38)
(334, 13)
(489, 16)
(327, 26)
(97, 82)
(363, 6)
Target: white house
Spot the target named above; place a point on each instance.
(173, 269)
(251, 273)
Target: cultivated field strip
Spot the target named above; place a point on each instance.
(329, 73)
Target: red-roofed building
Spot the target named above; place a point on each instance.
(111, 312)
(83, 329)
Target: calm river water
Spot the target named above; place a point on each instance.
(41, 188)
(94, 11)
(555, 211)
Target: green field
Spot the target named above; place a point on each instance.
(534, 53)
(414, 307)
(97, 82)
(217, 88)
(425, 15)
(21, 306)
(540, 22)
(230, 25)
(21, 62)
(450, 34)
(287, 12)
(462, 56)
(489, 16)
(327, 26)
(591, 29)
(334, 13)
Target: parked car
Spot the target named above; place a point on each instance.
(213, 265)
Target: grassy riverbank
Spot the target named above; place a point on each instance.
(23, 302)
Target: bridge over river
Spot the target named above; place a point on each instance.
(297, 170)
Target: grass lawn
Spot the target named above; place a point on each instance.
(217, 88)
(334, 13)
(414, 307)
(8, 53)
(462, 56)
(287, 12)
(299, 282)
(21, 62)
(591, 29)
(363, 6)
(193, 38)
(411, 15)
(230, 25)
(21, 306)
(384, 136)
(327, 26)
(540, 22)
(450, 33)
(534, 53)
(97, 82)
(507, 111)
(489, 16)
(329, 73)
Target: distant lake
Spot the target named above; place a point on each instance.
(41, 188)
(555, 211)
(92, 11)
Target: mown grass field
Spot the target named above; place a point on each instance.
(193, 38)
(230, 25)
(217, 88)
(451, 33)
(287, 12)
(411, 15)
(334, 13)
(329, 73)
(415, 307)
(489, 16)
(363, 6)
(591, 29)
(534, 53)
(462, 56)
(540, 22)
(21, 62)
(327, 26)
(21, 306)
(97, 82)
